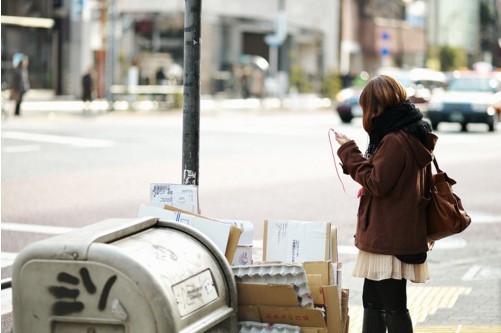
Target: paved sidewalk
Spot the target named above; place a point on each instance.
(463, 294)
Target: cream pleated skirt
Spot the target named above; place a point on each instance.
(380, 267)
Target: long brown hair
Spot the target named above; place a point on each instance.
(381, 93)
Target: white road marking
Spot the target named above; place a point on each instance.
(477, 272)
(6, 301)
(8, 258)
(58, 139)
(347, 249)
(20, 149)
(35, 228)
(471, 272)
(452, 242)
(480, 217)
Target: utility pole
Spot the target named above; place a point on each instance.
(496, 40)
(275, 40)
(191, 83)
(111, 54)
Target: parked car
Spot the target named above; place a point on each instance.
(470, 97)
(418, 82)
(348, 106)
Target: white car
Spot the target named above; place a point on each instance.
(470, 97)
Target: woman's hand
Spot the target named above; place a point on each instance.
(341, 138)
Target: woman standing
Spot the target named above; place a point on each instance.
(391, 227)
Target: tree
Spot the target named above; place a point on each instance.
(452, 58)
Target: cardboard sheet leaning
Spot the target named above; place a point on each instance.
(299, 241)
(224, 236)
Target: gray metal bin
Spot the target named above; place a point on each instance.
(127, 276)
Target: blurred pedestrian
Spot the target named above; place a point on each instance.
(391, 227)
(87, 85)
(20, 83)
(160, 76)
(87, 89)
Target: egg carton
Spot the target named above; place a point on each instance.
(277, 274)
(255, 327)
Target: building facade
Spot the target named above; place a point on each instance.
(136, 42)
(306, 35)
(376, 33)
(115, 35)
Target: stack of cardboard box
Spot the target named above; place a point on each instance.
(296, 288)
(309, 247)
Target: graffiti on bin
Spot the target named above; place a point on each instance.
(67, 302)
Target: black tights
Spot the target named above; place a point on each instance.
(389, 295)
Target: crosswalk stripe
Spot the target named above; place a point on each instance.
(35, 228)
(58, 139)
(8, 258)
(6, 301)
(20, 149)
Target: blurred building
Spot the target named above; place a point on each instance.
(62, 38)
(116, 36)
(281, 32)
(29, 28)
(471, 27)
(138, 42)
(377, 33)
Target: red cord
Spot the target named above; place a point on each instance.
(335, 164)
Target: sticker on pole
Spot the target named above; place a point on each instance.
(183, 197)
(195, 292)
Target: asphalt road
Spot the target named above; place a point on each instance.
(75, 170)
(71, 171)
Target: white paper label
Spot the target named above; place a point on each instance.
(195, 292)
(184, 197)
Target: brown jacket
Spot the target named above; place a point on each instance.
(391, 215)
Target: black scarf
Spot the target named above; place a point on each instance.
(404, 116)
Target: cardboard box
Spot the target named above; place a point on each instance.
(303, 317)
(296, 241)
(322, 268)
(247, 238)
(181, 196)
(314, 330)
(248, 313)
(224, 236)
(345, 309)
(243, 256)
(334, 257)
(259, 303)
(318, 274)
(267, 294)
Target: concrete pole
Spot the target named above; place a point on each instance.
(191, 82)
